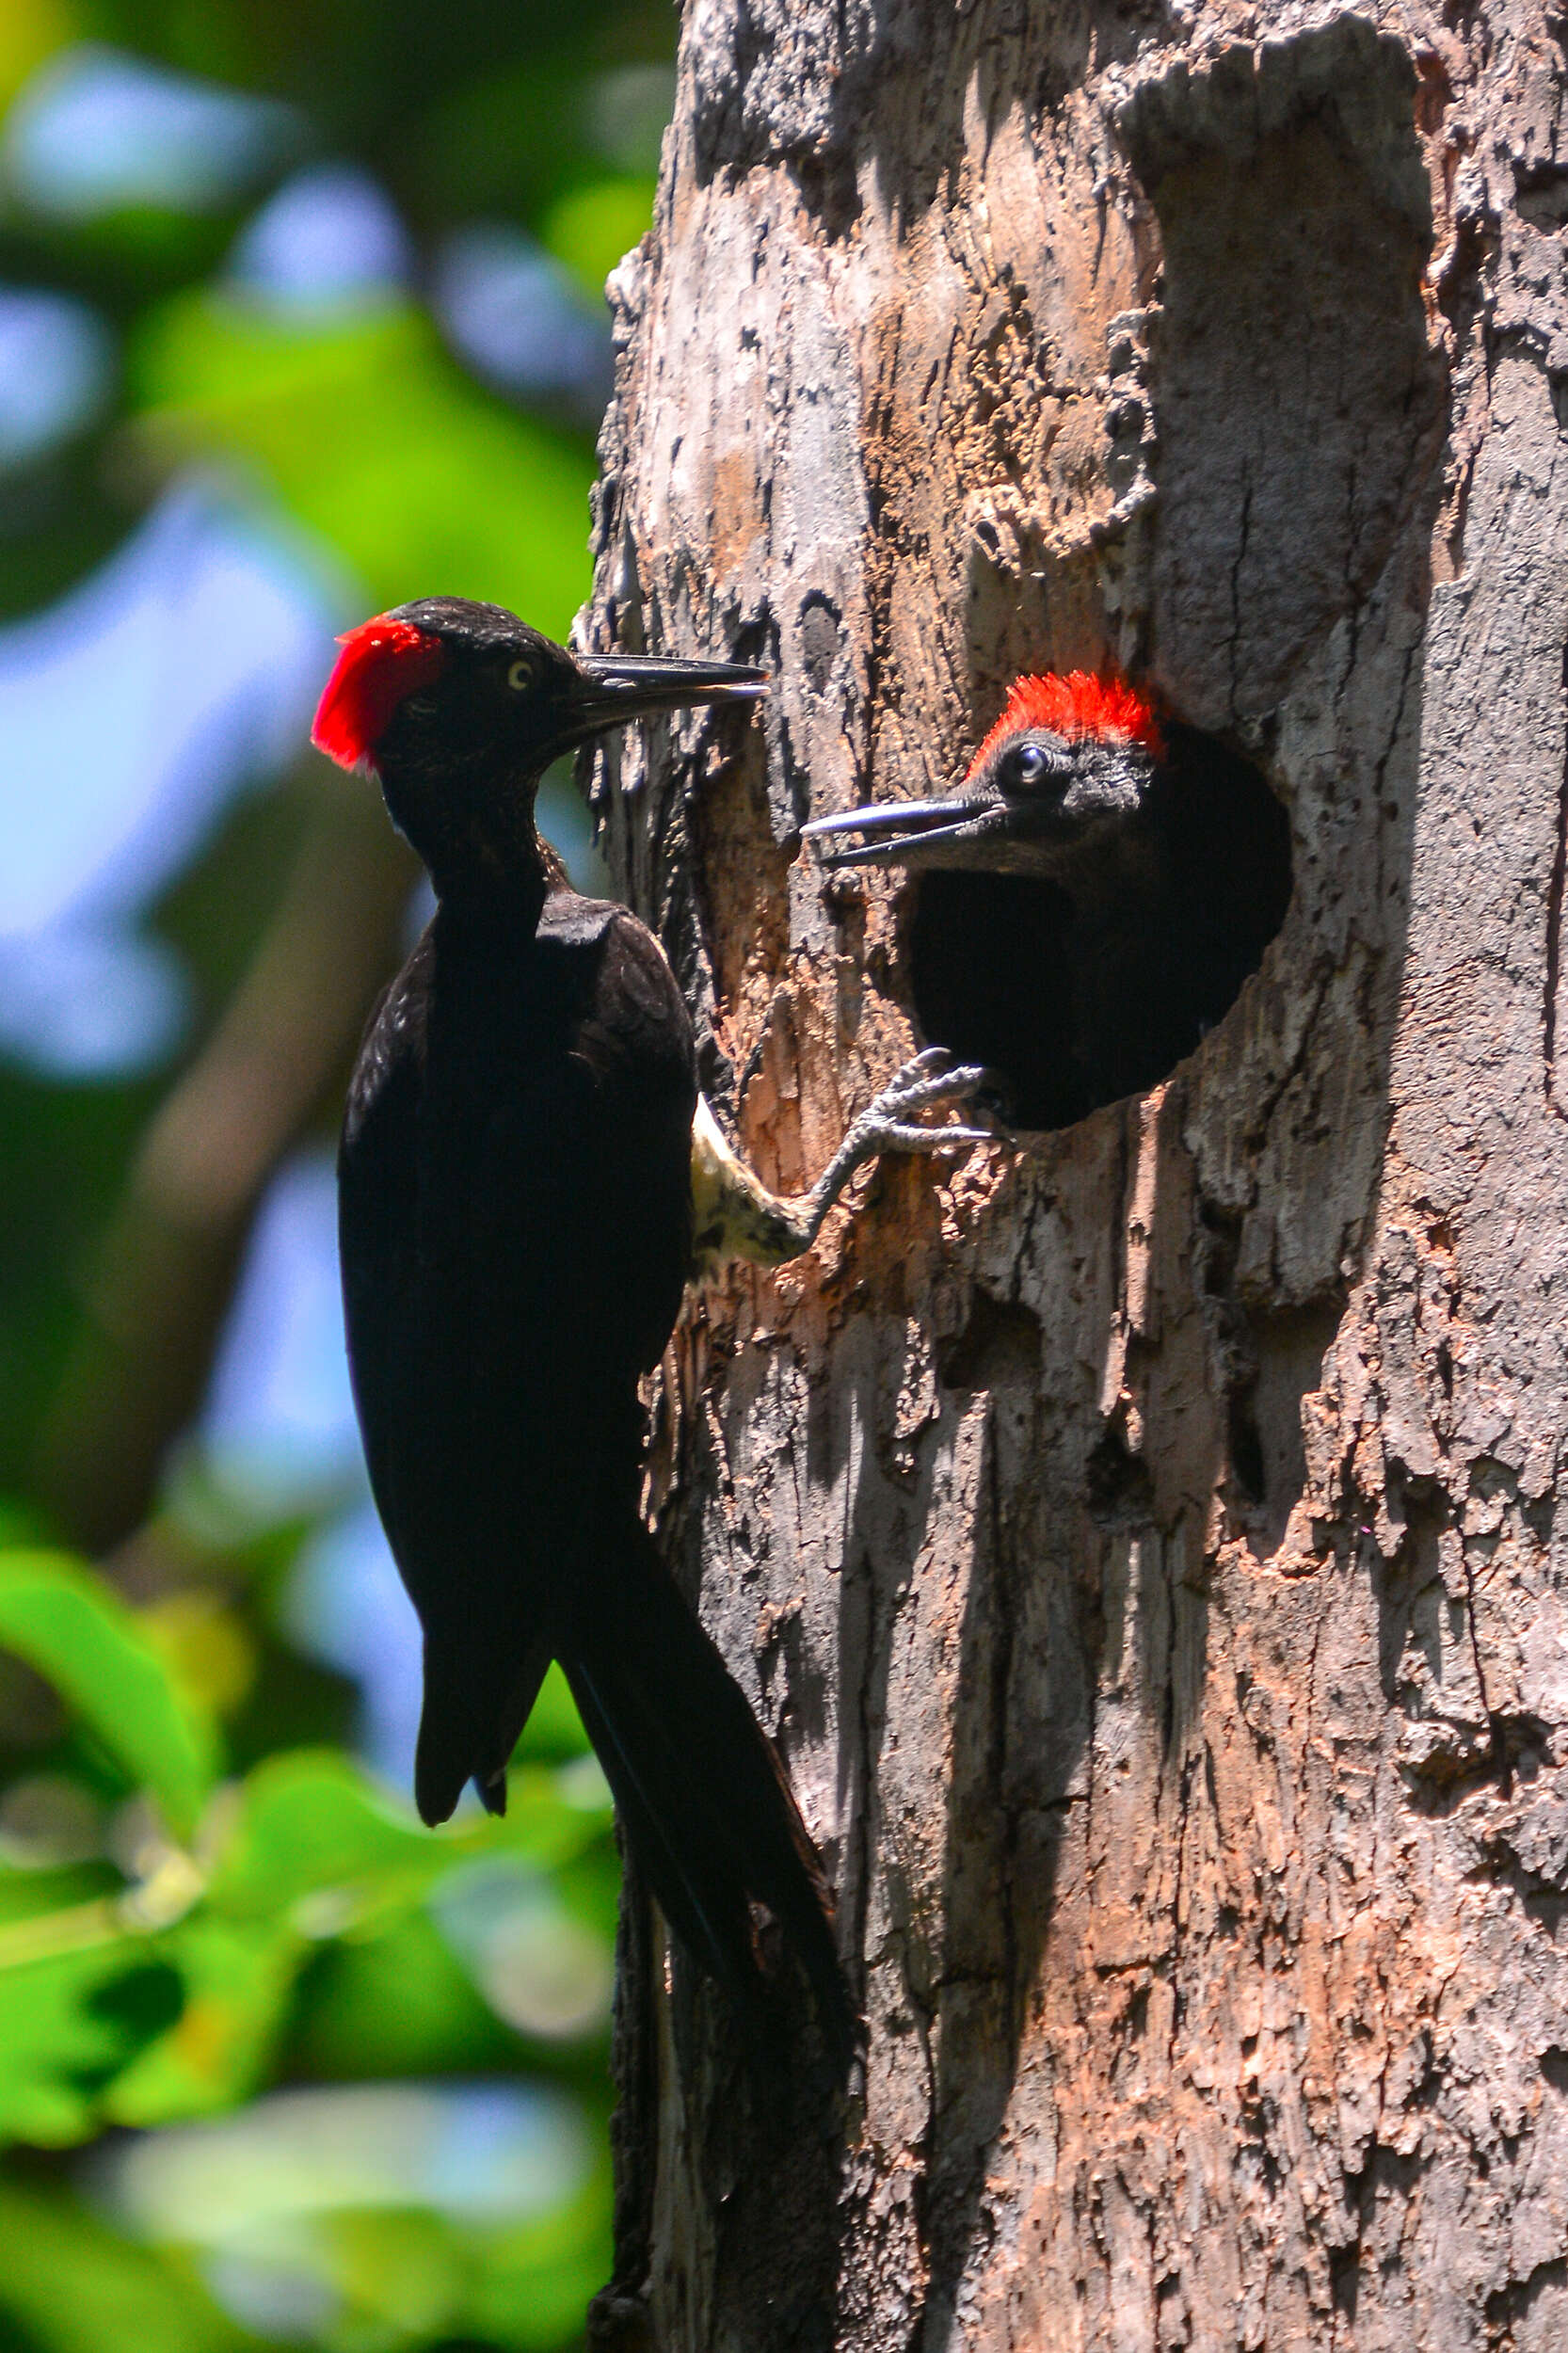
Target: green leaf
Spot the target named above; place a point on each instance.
(315, 1832)
(238, 1983)
(554, 1728)
(78, 2288)
(72, 2020)
(538, 2277)
(594, 227)
(30, 30)
(309, 1849)
(373, 438)
(21, 1523)
(401, 2274)
(28, 1894)
(396, 2003)
(73, 1629)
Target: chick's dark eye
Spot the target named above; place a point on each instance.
(1030, 763)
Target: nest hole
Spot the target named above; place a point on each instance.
(1081, 999)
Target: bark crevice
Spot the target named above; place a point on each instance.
(1154, 1526)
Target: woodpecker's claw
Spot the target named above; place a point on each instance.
(924, 1082)
(898, 1136)
(889, 1123)
(933, 1077)
(735, 1215)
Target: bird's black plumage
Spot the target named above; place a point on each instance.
(515, 1192)
(1095, 892)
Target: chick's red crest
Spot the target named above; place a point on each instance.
(1074, 707)
(381, 661)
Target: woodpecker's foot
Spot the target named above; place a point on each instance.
(892, 1122)
(887, 1125)
(735, 1216)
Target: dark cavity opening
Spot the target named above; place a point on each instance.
(1079, 1000)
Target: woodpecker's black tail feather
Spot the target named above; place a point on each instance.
(701, 1793)
(477, 1698)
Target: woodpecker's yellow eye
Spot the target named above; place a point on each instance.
(520, 675)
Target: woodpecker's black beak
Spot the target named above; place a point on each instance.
(909, 833)
(617, 688)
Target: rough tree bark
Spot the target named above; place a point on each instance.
(1144, 1542)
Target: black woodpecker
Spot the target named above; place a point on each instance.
(1166, 867)
(524, 1160)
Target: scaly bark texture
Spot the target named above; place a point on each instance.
(1144, 1541)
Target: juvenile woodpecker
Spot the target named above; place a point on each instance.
(1166, 859)
(522, 1134)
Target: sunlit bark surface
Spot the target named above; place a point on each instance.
(1142, 1541)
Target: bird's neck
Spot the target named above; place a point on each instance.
(510, 889)
(481, 846)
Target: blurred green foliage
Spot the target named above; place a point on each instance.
(286, 1933)
(207, 1908)
(370, 435)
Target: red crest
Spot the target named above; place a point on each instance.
(1075, 706)
(381, 661)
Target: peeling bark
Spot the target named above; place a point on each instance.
(1143, 1542)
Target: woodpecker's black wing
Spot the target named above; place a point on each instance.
(514, 1225)
(514, 1215)
(376, 1183)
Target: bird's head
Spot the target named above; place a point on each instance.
(459, 708)
(1068, 764)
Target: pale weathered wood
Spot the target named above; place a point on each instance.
(1145, 1542)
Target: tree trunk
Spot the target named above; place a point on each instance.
(1142, 1540)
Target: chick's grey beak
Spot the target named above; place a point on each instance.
(893, 832)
